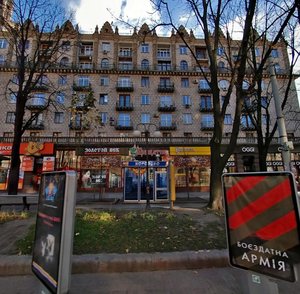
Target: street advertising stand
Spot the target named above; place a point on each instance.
(263, 227)
(53, 244)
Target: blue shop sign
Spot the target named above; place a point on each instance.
(144, 163)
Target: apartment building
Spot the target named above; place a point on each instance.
(104, 86)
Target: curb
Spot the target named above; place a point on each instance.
(12, 265)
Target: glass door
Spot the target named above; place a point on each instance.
(161, 185)
(131, 184)
(143, 176)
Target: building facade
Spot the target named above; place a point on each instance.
(103, 86)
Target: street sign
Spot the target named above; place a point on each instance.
(52, 250)
(263, 224)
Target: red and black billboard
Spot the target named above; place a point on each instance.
(263, 225)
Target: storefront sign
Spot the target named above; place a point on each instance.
(248, 149)
(48, 163)
(100, 151)
(30, 148)
(27, 163)
(144, 163)
(262, 219)
(205, 150)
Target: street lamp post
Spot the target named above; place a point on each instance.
(137, 133)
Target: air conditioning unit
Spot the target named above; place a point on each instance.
(105, 51)
(187, 105)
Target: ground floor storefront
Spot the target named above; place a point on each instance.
(106, 170)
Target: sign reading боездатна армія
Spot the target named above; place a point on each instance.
(262, 219)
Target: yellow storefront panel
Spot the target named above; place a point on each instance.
(190, 150)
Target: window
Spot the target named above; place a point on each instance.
(60, 98)
(221, 65)
(103, 117)
(183, 65)
(223, 85)
(124, 120)
(204, 85)
(246, 122)
(12, 98)
(56, 134)
(228, 119)
(125, 52)
(145, 48)
(275, 53)
(145, 64)
(186, 100)
(220, 51)
(277, 68)
(145, 99)
(145, 118)
(164, 65)
(163, 53)
(104, 81)
(105, 47)
(58, 117)
(124, 100)
(183, 50)
(38, 119)
(207, 121)
(245, 85)
(124, 82)
(264, 119)
(85, 65)
(103, 99)
(125, 65)
(15, 80)
(166, 120)
(66, 45)
(165, 101)
(38, 99)
(10, 117)
(187, 118)
(185, 83)
(3, 43)
(2, 59)
(83, 81)
(86, 49)
(201, 53)
(64, 62)
(257, 52)
(205, 103)
(62, 80)
(104, 63)
(145, 82)
(8, 134)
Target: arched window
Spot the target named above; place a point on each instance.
(64, 62)
(104, 63)
(183, 65)
(145, 64)
(223, 85)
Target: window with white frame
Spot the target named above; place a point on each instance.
(83, 81)
(10, 117)
(2, 59)
(165, 101)
(106, 47)
(187, 118)
(163, 53)
(3, 43)
(220, 51)
(62, 80)
(104, 63)
(124, 120)
(186, 100)
(145, 82)
(60, 98)
(275, 53)
(124, 82)
(203, 84)
(183, 65)
(205, 102)
(145, 99)
(38, 99)
(104, 81)
(103, 99)
(227, 119)
(145, 64)
(58, 117)
(185, 82)
(103, 116)
(12, 98)
(144, 48)
(183, 50)
(145, 118)
(166, 120)
(207, 121)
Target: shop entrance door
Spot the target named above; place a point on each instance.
(161, 185)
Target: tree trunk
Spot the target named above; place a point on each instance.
(13, 178)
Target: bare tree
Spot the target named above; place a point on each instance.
(36, 35)
(214, 18)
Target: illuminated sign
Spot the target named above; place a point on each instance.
(205, 150)
(30, 148)
(262, 219)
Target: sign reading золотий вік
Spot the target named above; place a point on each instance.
(263, 228)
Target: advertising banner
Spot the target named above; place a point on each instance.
(27, 163)
(48, 163)
(262, 217)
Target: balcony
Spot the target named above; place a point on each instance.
(207, 108)
(166, 88)
(78, 126)
(124, 87)
(123, 127)
(82, 88)
(36, 126)
(168, 127)
(36, 105)
(124, 107)
(207, 126)
(41, 87)
(204, 89)
(247, 127)
(166, 107)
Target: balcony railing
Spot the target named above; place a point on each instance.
(166, 88)
(36, 126)
(207, 126)
(124, 127)
(124, 107)
(166, 107)
(168, 127)
(207, 108)
(82, 88)
(127, 87)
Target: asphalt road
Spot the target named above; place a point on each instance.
(205, 281)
